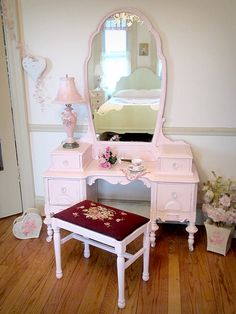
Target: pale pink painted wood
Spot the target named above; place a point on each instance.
(173, 195)
(157, 134)
(89, 237)
(171, 173)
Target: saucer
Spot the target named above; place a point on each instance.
(136, 169)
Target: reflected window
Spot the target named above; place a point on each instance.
(115, 56)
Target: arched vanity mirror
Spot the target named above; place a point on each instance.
(126, 78)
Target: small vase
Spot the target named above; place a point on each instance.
(218, 238)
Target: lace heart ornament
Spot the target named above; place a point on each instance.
(34, 66)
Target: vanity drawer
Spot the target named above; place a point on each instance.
(64, 162)
(62, 192)
(174, 198)
(175, 159)
(176, 165)
(70, 160)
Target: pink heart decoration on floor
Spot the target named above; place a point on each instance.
(34, 66)
(28, 225)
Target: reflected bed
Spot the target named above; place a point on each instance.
(133, 107)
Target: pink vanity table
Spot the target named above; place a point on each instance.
(172, 178)
(170, 170)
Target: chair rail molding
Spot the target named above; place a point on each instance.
(55, 128)
(168, 130)
(201, 131)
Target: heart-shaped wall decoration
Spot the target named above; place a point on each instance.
(28, 225)
(34, 66)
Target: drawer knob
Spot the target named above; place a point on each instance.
(175, 165)
(63, 190)
(174, 195)
(65, 163)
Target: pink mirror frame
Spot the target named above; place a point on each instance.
(158, 135)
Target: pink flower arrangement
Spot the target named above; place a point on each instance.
(219, 198)
(107, 159)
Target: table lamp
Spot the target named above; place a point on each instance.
(67, 94)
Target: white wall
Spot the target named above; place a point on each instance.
(199, 43)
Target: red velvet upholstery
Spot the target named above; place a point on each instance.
(103, 219)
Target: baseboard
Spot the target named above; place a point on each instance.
(39, 204)
(138, 207)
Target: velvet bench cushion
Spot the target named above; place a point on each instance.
(103, 219)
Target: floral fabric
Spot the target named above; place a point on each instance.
(103, 219)
(132, 176)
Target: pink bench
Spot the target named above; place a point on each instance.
(107, 228)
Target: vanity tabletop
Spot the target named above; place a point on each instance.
(149, 172)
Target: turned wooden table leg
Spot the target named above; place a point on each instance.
(154, 228)
(191, 229)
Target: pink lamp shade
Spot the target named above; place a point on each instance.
(67, 92)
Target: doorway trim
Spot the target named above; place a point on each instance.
(19, 109)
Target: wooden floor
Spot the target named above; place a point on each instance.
(180, 281)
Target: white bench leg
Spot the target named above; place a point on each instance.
(146, 246)
(57, 249)
(86, 249)
(121, 280)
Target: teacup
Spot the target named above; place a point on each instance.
(136, 163)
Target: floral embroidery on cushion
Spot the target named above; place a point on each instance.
(107, 224)
(95, 212)
(119, 219)
(99, 212)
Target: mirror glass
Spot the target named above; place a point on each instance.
(125, 79)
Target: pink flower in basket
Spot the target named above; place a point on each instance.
(220, 200)
(225, 200)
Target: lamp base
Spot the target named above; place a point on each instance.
(70, 145)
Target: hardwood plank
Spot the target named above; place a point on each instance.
(174, 300)
(21, 261)
(196, 286)
(6, 224)
(180, 281)
(222, 287)
(7, 240)
(153, 297)
(104, 264)
(49, 291)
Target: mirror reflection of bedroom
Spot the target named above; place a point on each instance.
(124, 79)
